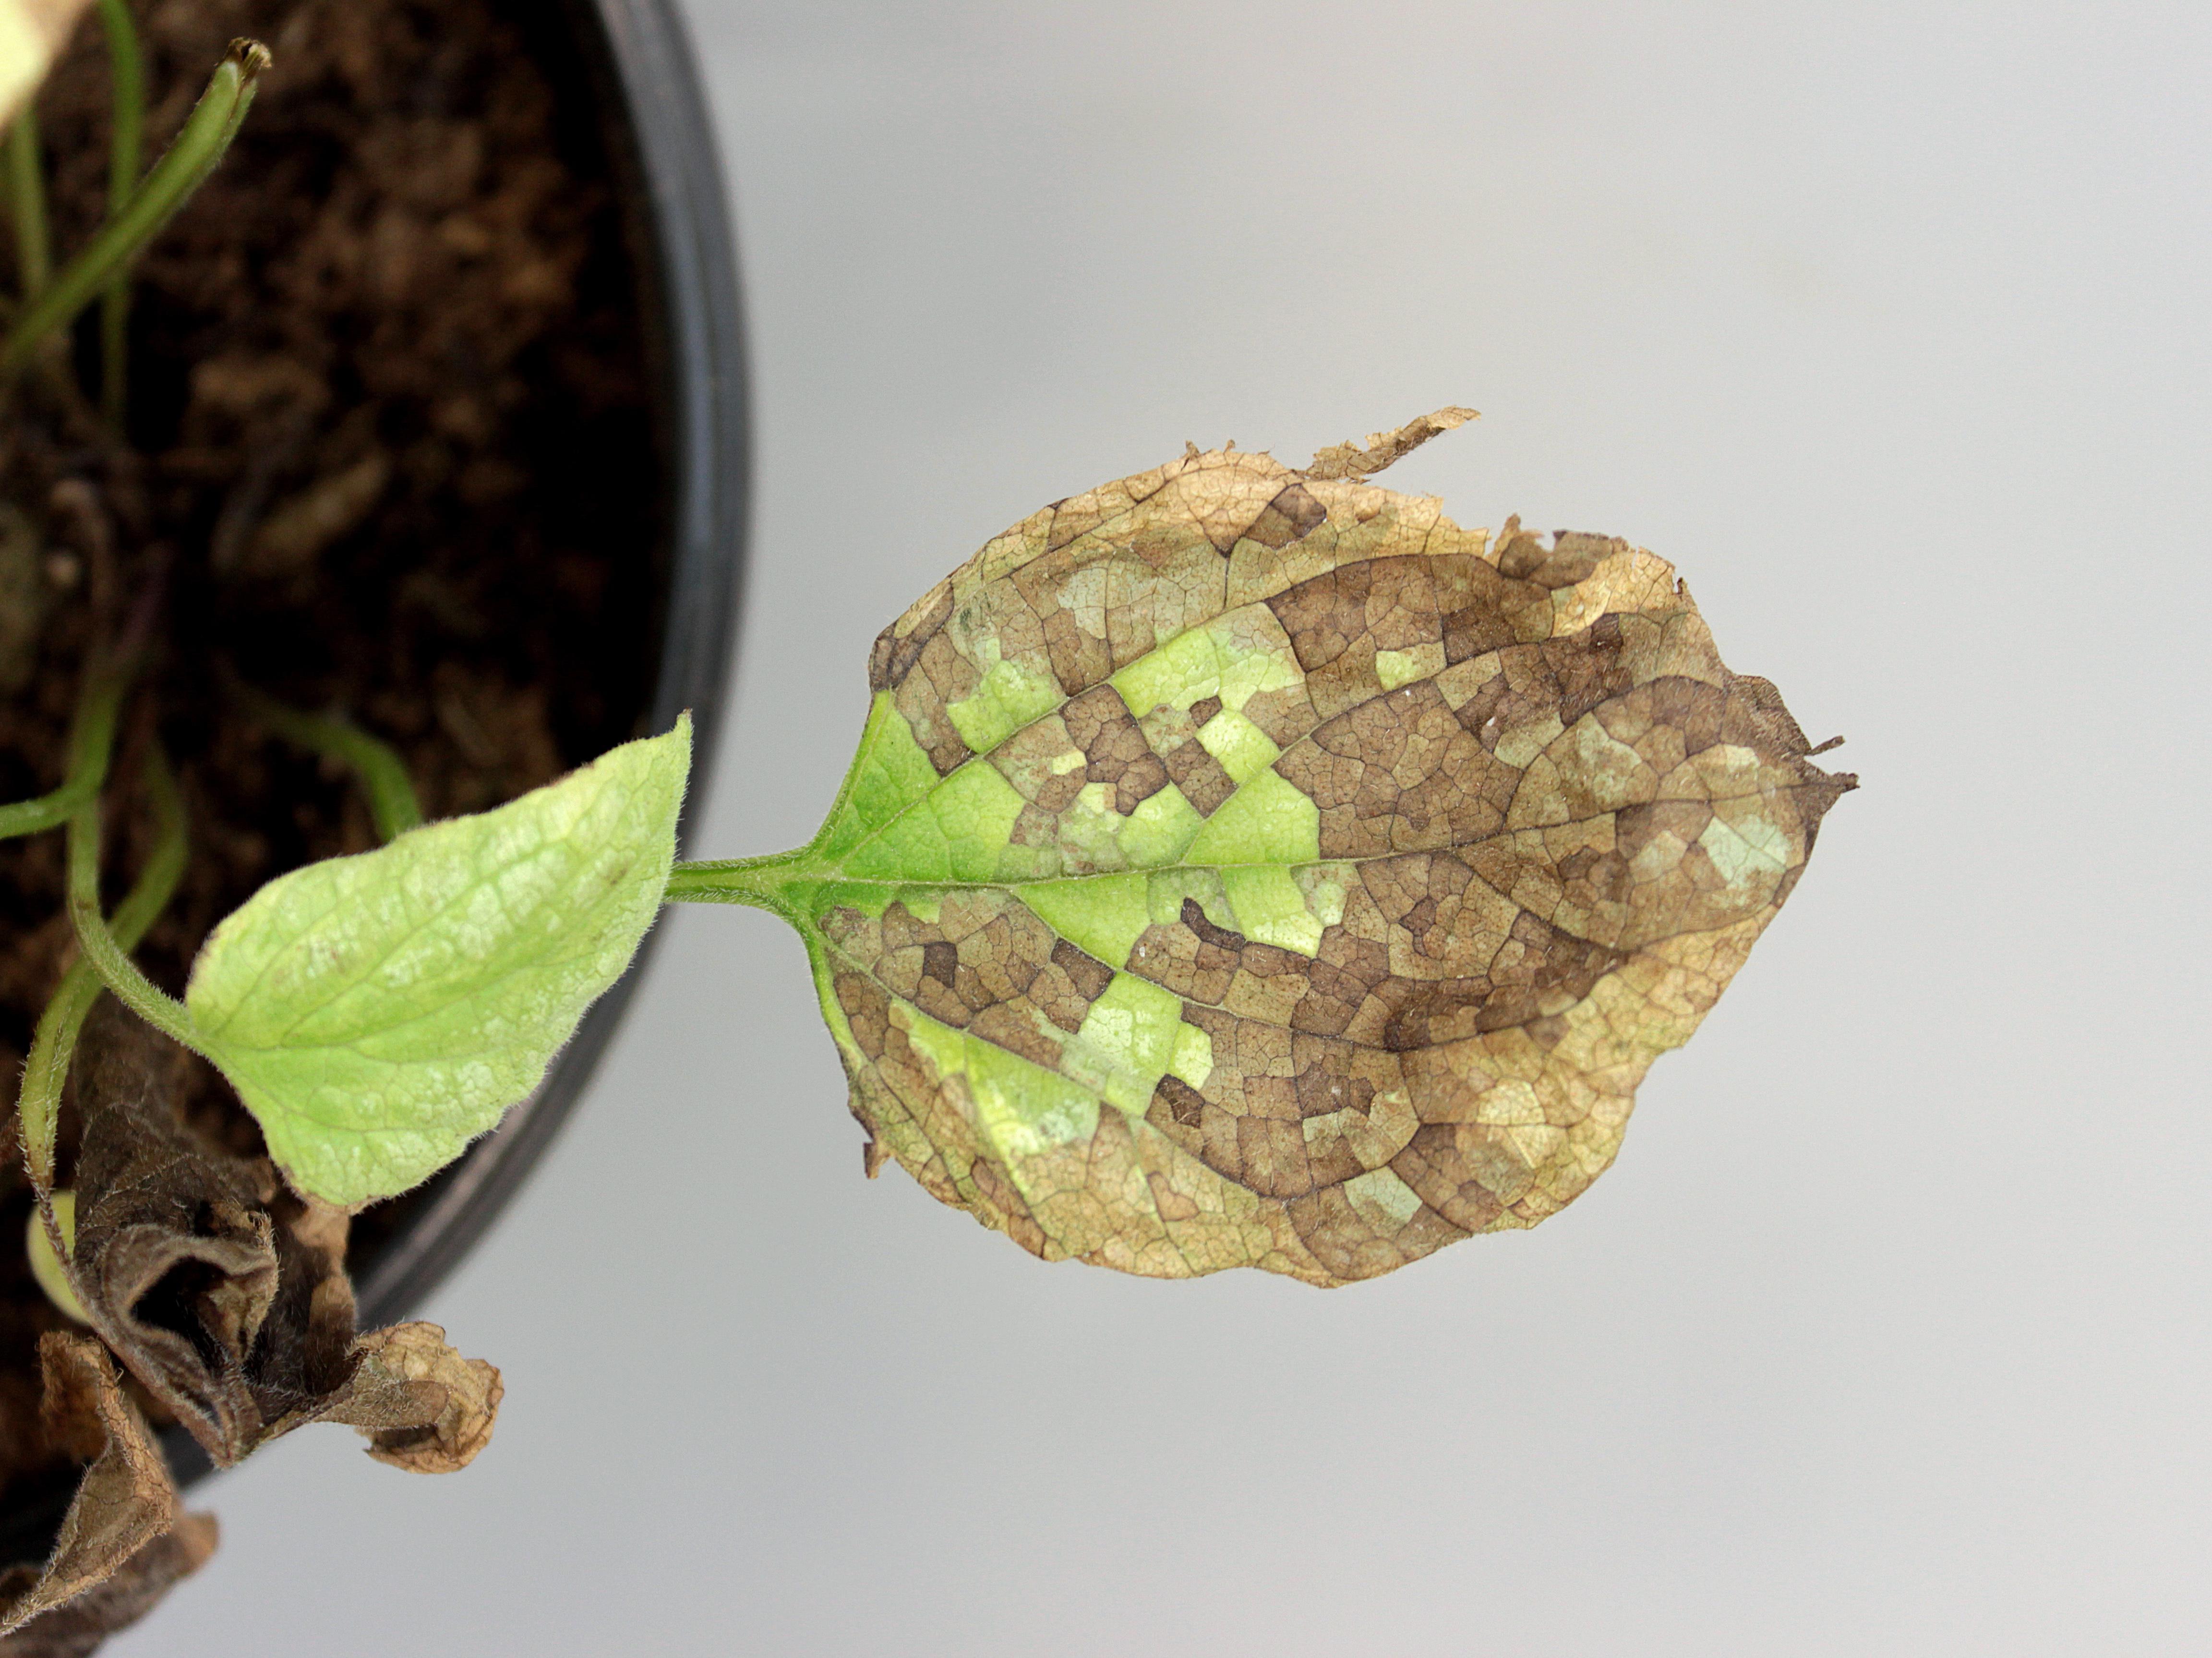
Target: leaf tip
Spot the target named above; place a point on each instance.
(1382, 449)
(253, 59)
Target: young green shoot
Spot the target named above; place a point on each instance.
(126, 160)
(375, 1013)
(382, 773)
(54, 1042)
(27, 205)
(91, 737)
(206, 136)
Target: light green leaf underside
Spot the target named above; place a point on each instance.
(376, 1013)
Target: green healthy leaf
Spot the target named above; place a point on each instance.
(376, 1013)
(1251, 867)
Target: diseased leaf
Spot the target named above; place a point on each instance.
(1245, 867)
(227, 1295)
(122, 1544)
(376, 1013)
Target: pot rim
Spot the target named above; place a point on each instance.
(664, 158)
(661, 135)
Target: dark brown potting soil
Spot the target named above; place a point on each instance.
(388, 451)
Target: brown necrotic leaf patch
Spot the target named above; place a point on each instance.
(1428, 842)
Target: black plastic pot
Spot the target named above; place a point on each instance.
(636, 56)
(625, 68)
(631, 61)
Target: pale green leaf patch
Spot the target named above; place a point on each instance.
(1268, 821)
(1243, 748)
(376, 1013)
(1127, 1042)
(1009, 698)
(1020, 1107)
(1235, 657)
(958, 832)
(1102, 916)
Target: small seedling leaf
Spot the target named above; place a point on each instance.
(376, 1013)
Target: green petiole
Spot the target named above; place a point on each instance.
(90, 742)
(207, 134)
(103, 948)
(55, 1043)
(755, 882)
(383, 774)
(27, 205)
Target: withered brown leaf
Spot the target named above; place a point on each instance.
(78, 1626)
(423, 1407)
(175, 1252)
(226, 1294)
(121, 1545)
(1245, 866)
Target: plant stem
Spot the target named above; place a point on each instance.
(55, 1043)
(108, 958)
(183, 167)
(26, 203)
(91, 739)
(759, 881)
(126, 160)
(383, 774)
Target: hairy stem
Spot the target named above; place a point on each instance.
(55, 1043)
(109, 957)
(126, 160)
(27, 205)
(759, 881)
(91, 737)
(383, 774)
(183, 167)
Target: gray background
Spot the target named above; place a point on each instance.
(1886, 1334)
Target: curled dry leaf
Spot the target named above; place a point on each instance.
(122, 1544)
(227, 1295)
(174, 1252)
(423, 1407)
(1248, 867)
